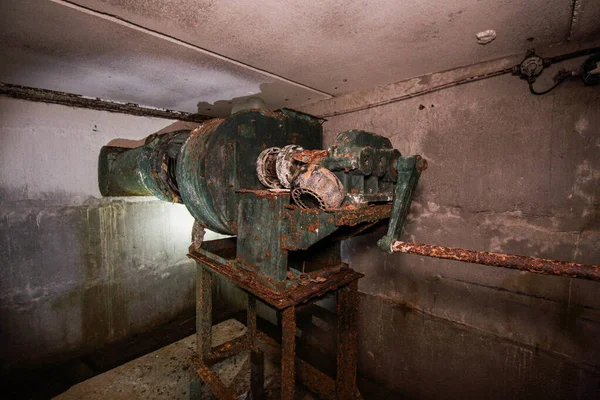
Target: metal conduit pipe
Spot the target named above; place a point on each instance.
(521, 263)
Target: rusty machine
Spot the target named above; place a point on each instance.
(264, 178)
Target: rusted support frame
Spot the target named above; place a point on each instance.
(288, 353)
(251, 320)
(521, 263)
(257, 360)
(315, 380)
(214, 383)
(257, 374)
(228, 349)
(204, 279)
(347, 334)
(279, 300)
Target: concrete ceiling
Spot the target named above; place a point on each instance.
(48, 45)
(189, 54)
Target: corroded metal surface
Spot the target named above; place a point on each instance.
(315, 380)
(521, 263)
(286, 166)
(352, 215)
(311, 156)
(347, 340)
(266, 167)
(205, 168)
(257, 374)
(408, 171)
(358, 169)
(362, 152)
(219, 159)
(316, 289)
(204, 283)
(421, 164)
(197, 235)
(251, 320)
(213, 381)
(287, 256)
(318, 382)
(306, 227)
(317, 187)
(229, 349)
(288, 353)
(191, 174)
(257, 362)
(260, 227)
(247, 281)
(148, 170)
(319, 284)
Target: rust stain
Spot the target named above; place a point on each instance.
(214, 383)
(421, 164)
(267, 194)
(310, 156)
(352, 215)
(288, 353)
(313, 227)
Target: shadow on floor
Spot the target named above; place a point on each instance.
(53, 380)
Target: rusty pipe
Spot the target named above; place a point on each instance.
(521, 263)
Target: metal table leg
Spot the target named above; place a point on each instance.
(347, 308)
(288, 353)
(257, 361)
(203, 312)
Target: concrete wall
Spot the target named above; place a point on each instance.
(508, 172)
(78, 271)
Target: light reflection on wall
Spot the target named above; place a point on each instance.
(181, 223)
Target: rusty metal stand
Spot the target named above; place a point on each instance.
(343, 282)
(347, 308)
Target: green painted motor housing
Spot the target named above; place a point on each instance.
(206, 168)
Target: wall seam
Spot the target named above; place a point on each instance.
(580, 364)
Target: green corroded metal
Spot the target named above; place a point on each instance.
(212, 170)
(409, 170)
(206, 172)
(275, 236)
(306, 227)
(361, 152)
(219, 159)
(147, 170)
(365, 164)
(260, 228)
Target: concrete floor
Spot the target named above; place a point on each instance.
(168, 372)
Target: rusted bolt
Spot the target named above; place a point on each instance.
(303, 279)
